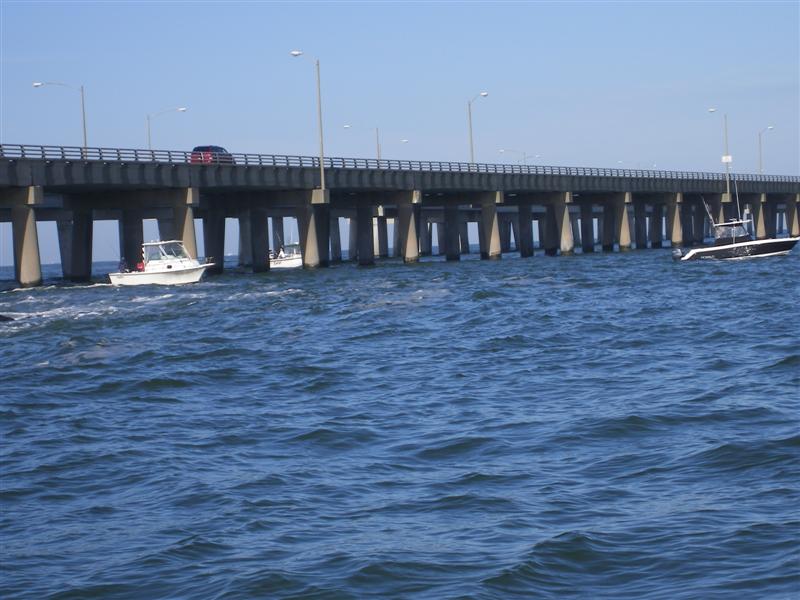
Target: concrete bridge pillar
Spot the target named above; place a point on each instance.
(770, 216)
(382, 237)
(313, 220)
(131, 237)
(564, 223)
(541, 229)
(463, 236)
(425, 236)
(758, 207)
(656, 226)
(27, 264)
(336, 240)
(699, 222)
(674, 228)
(245, 239)
(623, 221)
(640, 224)
(549, 236)
(687, 232)
(608, 228)
(792, 221)
(406, 224)
(214, 238)
(259, 240)
(277, 233)
(525, 239)
(396, 251)
(587, 228)
(452, 245)
(504, 226)
(365, 235)
(75, 243)
(183, 219)
(352, 241)
(489, 228)
(515, 230)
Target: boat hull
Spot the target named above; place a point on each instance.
(740, 251)
(290, 262)
(171, 277)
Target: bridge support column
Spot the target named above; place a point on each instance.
(699, 222)
(352, 239)
(640, 224)
(758, 208)
(27, 264)
(674, 228)
(396, 251)
(463, 236)
(406, 224)
(560, 225)
(525, 240)
(656, 226)
(277, 234)
(313, 220)
(382, 237)
(452, 246)
(623, 222)
(792, 222)
(214, 239)
(131, 237)
(336, 240)
(245, 239)
(687, 232)
(770, 216)
(259, 240)
(489, 228)
(515, 230)
(608, 228)
(504, 226)
(425, 237)
(365, 234)
(587, 228)
(183, 219)
(75, 243)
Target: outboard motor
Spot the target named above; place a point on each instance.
(677, 254)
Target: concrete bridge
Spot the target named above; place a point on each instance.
(572, 207)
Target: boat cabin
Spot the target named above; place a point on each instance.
(732, 232)
(164, 251)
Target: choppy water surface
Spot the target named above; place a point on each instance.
(615, 426)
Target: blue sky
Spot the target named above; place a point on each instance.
(579, 83)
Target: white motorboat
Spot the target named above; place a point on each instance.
(288, 257)
(732, 242)
(163, 263)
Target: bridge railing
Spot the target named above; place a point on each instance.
(75, 153)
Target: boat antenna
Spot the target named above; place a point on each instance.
(736, 192)
(708, 210)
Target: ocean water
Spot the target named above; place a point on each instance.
(600, 426)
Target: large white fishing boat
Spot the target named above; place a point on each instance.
(163, 263)
(732, 242)
(288, 257)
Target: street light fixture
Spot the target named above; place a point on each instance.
(163, 112)
(760, 159)
(297, 53)
(726, 158)
(469, 119)
(38, 84)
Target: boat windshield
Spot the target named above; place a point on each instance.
(164, 251)
(730, 231)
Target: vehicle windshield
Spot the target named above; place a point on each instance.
(164, 251)
(730, 231)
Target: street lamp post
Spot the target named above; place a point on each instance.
(469, 120)
(38, 84)
(377, 140)
(760, 156)
(297, 53)
(163, 112)
(726, 158)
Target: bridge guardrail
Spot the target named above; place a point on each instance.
(76, 153)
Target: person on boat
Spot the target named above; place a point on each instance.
(281, 253)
